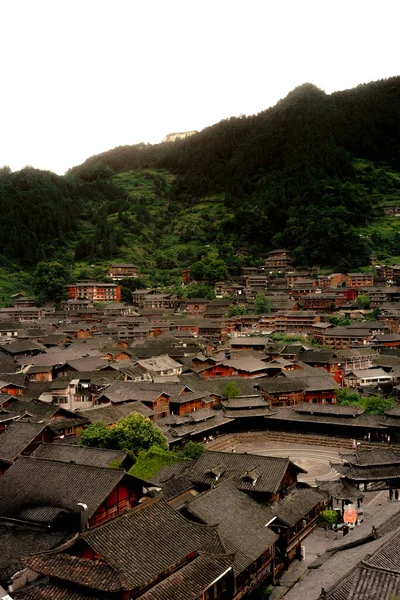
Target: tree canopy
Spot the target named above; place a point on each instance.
(49, 281)
(372, 405)
(133, 433)
(262, 304)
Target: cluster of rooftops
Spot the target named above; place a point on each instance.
(88, 531)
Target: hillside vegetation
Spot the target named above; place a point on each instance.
(313, 173)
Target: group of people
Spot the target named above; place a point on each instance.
(376, 437)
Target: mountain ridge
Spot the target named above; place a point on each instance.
(311, 174)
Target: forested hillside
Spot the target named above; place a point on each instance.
(312, 173)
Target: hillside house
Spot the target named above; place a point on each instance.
(118, 271)
(358, 280)
(278, 260)
(94, 291)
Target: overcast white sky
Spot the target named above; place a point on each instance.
(82, 76)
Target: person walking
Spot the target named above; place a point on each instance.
(390, 494)
(396, 494)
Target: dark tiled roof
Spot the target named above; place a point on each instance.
(375, 577)
(240, 519)
(290, 414)
(328, 409)
(376, 456)
(17, 540)
(135, 543)
(374, 583)
(189, 582)
(170, 472)
(61, 485)
(195, 423)
(341, 489)
(276, 385)
(94, 574)
(218, 384)
(269, 477)
(316, 356)
(296, 505)
(375, 473)
(111, 413)
(245, 402)
(54, 591)
(16, 437)
(96, 457)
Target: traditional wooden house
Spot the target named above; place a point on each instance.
(197, 306)
(279, 391)
(294, 518)
(21, 349)
(189, 402)
(118, 271)
(126, 558)
(242, 524)
(21, 438)
(121, 392)
(247, 367)
(84, 494)
(360, 378)
(14, 387)
(323, 302)
(358, 280)
(278, 260)
(39, 373)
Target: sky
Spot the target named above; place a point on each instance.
(80, 77)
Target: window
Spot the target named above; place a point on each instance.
(60, 399)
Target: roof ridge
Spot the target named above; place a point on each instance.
(51, 460)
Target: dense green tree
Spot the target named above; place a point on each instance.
(372, 405)
(198, 290)
(192, 450)
(133, 433)
(235, 311)
(231, 390)
(136, 433)
(362, 301)
(96, 435)
(339, 321)
(262, 304)
(49, 281)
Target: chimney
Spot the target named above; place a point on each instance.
(84, 515)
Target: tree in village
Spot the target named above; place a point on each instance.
(262, 304)
(231, 390)
(372, 405)
(49, 281)
(133, 433)
(362, 301)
